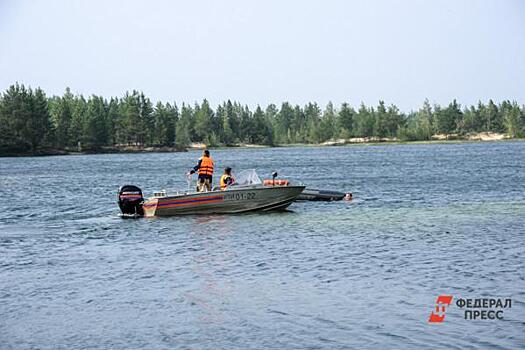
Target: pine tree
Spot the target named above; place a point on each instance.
(173, 118)
(38, 124)
(203, 121)
(113, 121)
(282, 123)
(62, 118)
(512, 119)
(327, 126)
(247, 130)
(298, 125)
(345, 121)
(262, 131)
(491, 116)
(15, 110)
(147, 121)
(165, 123)
(380, 122)
(95, 134)
(184, 126)
(77, 121)
(364, 121)
(223, 127)
(425, 117)
(448, 119)
(313, 119)
(133, 131)
(471, 120)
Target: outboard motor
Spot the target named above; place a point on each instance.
(130, 200)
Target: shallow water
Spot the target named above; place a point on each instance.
(426, 220)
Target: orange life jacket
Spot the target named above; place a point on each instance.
(276, 182)
(206, 167)
(223, 180)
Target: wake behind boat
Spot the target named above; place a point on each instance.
(248, 194)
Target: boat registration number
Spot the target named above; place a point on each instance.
(239, 196)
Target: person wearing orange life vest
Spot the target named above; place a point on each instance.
(226, 179)
(205, 170)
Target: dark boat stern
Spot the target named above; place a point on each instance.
(130, 201)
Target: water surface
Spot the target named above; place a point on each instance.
(426, 220)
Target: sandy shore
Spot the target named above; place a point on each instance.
(482, 136)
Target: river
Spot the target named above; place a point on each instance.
(426, 220)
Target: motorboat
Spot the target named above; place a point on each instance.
(246, 195)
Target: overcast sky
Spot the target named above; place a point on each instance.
(258, 52)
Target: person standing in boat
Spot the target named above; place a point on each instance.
(205, 170)
(226, 179)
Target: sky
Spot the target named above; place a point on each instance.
(260, 52)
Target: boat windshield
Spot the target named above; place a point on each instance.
(247, 177)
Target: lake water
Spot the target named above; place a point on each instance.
(426, 220)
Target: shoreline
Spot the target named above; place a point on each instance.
(194, 147)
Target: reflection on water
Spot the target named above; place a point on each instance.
(207, 256)
(425, 220)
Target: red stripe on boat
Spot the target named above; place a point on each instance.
(195, 201)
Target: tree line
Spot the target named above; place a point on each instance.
(30, 121)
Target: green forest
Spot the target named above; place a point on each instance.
(31, 122)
